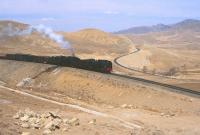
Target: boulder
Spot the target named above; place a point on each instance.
(36, 125)
(50, 126)
(18, 115)
(32, 120)
(25, 133)
(93, 122)
(66, 121)
(25, 125)
(53, 125)
(25, 118)
(47, 132)
(57, 122)
(65, 129)
(124, 106)
(74, 122)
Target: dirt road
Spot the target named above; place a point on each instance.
(116, 103)
(77, 107)
(12, 101)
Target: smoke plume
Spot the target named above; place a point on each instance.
(43, 30)
(48, 32)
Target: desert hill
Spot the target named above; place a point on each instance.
(189, 24)
(88, 43)
(98, 43)
(176, 47)
(178, 39)
(13, 40)
(162, 59)
(16, 25)
(183, 35)
(96, 36)
(144, 29)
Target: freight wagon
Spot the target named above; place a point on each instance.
(103, 66)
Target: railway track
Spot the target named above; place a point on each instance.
(150, 82)
(136, 70)
(169, 87)
(116, 60)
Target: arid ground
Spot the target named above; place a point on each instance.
(91, 103)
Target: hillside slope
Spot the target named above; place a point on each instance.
(88, 43)
(157, 111)
(12, 41)
(178, 46)
(97, 43)
(184, 39)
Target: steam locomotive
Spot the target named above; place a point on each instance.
(103, 66)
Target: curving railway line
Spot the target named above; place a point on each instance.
(136, 70)
(154, 83)
(168, 87)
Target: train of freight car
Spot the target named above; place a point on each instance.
(103, 66)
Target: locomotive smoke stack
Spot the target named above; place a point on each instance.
(73, 53)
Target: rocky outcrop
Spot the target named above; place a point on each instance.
(48, 122)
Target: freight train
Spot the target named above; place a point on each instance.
(103, 66)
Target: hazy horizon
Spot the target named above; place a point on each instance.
(107, 15)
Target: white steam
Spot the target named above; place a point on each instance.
(11, 31)
(48, 32)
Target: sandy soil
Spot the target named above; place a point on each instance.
(157, 110)
(170, 49)
(160, 61)
(136, 60)
(11, 103)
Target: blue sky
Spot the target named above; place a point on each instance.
(108, 15)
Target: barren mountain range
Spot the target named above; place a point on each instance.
(173, 46)
(189, 24)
